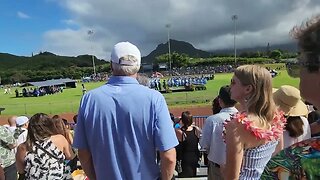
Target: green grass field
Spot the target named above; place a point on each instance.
(68, 101)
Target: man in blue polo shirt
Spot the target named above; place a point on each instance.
(122, 123)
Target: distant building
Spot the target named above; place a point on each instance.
(66, 82)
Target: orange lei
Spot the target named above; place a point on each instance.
(277, 126)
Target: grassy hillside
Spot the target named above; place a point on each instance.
(44, 61)
(46, 65)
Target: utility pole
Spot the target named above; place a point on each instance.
(90, 33)
(169, 57)
(234, 19)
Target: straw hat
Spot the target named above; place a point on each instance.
(289, 100)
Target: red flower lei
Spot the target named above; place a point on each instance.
(274, 133)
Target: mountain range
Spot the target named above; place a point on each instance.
(187, 48)
(49, 60)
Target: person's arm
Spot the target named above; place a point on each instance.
(279, 146)
(68, 152)
(315, 127)
(179, 134)
(198, 131)
(168, 163)
(2, 177)
(70, 136)
(87, 163)
(205, 140)
(235, 148)
(20, 155)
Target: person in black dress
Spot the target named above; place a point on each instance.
(187, 150)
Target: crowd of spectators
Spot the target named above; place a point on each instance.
(36, 92)
(95, 77)
(116, 140)
(196, 70)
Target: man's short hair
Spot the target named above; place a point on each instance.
(225, 96)
(308, 36)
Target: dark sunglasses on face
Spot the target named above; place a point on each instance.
(294, 67)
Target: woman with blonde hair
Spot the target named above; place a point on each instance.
(253, 134)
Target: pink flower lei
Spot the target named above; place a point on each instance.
(274, 133)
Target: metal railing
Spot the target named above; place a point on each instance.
(199, 120)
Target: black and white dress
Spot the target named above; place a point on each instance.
(46, 161)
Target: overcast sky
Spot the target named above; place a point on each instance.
(63, 28)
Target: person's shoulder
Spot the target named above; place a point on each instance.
(218, 118)
(147, 89)
(304, 120)
(238, 120)
(197, 128)
(4, 130)
(58, 137)
(97, 92)
(212, 118)
(153, 94)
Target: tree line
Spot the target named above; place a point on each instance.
(46, 65)
(183, 60)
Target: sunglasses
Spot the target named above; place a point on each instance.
(294, 67)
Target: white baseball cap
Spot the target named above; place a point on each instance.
(122, 49)
(21, 120)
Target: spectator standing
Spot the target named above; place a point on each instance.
(43, 155)
(122, 123)
(289, 101)
(216, 108)
(12, 125)
(301, 160)
(187, 150)
(60, 124)
(253, 135)
(212, 140)
(7, 143)
(84, 90)
(17, 92)
(308, 65)
(2, 177)
(21, 131)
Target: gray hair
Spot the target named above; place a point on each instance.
(125, 70)
(143, 80)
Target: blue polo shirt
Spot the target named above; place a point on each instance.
(122, 124)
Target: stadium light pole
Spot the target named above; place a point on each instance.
(234, 19)
(169, 56)
(90, 33)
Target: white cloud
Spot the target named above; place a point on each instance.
(22, 15)
(207, 25)
(69, 22)
(75, 42)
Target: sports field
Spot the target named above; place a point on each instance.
(68, 101)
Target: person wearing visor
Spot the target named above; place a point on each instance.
(307, 65)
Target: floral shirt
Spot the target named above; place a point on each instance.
(7, 157)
